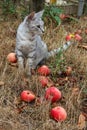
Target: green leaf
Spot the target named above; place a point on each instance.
(72, 18)
(53, 12)
(58, 20)
(56, 10)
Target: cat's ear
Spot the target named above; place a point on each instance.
(31, 16)
(39, 14)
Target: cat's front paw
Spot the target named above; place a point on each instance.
(31, 72)
(28, 73)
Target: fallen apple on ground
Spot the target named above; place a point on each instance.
(53, 94)
(43, 80)
(63, 16)
(68, 71)
(11, 57)
(44, 70)
(68, 38)
(27, 96)
(78, 37)
(58, 113)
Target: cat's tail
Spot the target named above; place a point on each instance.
(60, 49)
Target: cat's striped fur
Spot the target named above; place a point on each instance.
(29, 44)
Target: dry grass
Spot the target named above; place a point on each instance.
(35, 116)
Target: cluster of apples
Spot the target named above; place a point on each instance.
(75, 36)
(52, 93)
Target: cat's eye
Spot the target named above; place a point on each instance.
(33, 26)
(38, 26)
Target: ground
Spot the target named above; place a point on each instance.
(18, 115)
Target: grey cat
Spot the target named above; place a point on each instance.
(29, 44)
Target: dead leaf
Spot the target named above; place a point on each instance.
(55, 104)
(83, 46)
(81, 122)
(38, 101)
(62, 81)
(50, 82)
(17, 101)
(85, 18)
(12, 31)
(20, 109)
(1, 83)
(85, 114)
(13, 64)
(26, 80)
(75, 91)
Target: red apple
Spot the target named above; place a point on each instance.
(62, 16)
(43, 80)
(68, 38)
(58, 113)
(78, 37)
(11, 57)
(44, 70)
(27, 96)
(53, 94)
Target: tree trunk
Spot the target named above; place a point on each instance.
(36, 5)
